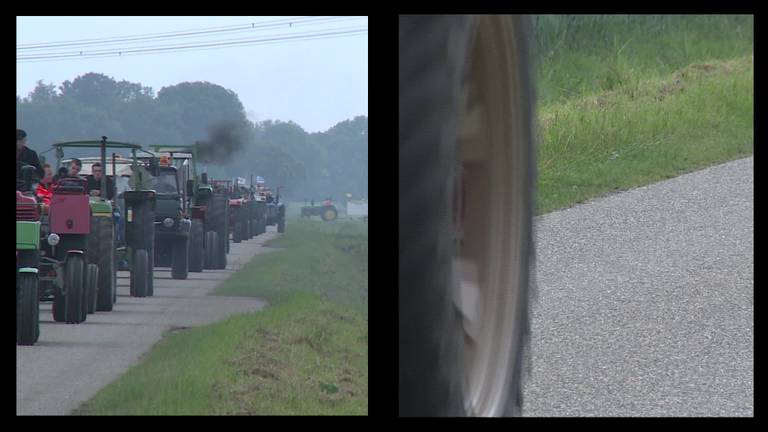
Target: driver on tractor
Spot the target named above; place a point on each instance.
(44, 190)
(94, 181)
(75, 165)
(25, 155)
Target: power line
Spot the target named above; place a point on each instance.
(202, 47)
(43, 44)
(182, 45)
(208, 34)
(149, 48)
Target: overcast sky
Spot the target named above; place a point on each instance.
(315, 83)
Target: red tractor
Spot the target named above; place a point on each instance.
(239, 221)
(64, 272)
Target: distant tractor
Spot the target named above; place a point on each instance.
(327, 211)
(275, 209)
(241, 206)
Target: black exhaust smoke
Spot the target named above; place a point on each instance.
(224, 140)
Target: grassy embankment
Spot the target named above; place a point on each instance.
(307, 353)
(626, 101)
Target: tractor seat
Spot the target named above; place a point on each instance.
(70, 189)
(70, 186)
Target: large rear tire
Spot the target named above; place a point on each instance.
(139, 273)
(219, 218)
(74, 282)
(237, 232)
(465, 149)
(27, 309)
(211, 245)
(101, 251)
(114, 282)
(330, 213)
(92, 280)
(151, 272)
(196, 243)
(180, 264)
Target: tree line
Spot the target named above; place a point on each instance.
(307, 165)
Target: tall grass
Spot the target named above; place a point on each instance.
(587, 54)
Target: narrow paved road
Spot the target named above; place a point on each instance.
(70, 363)
(645, 301)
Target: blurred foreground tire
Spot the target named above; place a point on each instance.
(466, 176)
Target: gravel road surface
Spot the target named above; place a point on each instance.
(645, 301)
(70, 363)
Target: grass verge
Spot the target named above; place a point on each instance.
(644, 131)
(305, 354)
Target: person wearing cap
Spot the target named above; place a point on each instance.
(25, 155)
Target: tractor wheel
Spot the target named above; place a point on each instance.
(27, 309)
(330, 213)
(219, 216)
(237, 232)
(180, 264)
(211, 244)
(221, 261)
(465, 173)
(74, 285)
(140, 273)
(101, 251)
(196, 243)
(151, 272)
(163, 252)
(114, 281)
(92, 290)
(59, 308)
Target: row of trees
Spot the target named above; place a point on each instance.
(307, 165)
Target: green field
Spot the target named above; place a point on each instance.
(307, 353)
(624, 101)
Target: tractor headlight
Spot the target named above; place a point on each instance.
(53, 239)
(168, 222)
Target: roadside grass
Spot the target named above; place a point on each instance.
(644, 130)
(579, 55)
(317, 258)
(307, 353)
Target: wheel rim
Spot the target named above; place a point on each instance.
(490, 217)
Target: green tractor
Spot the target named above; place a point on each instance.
(172, 219)
(28, 215)
(209, 210)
